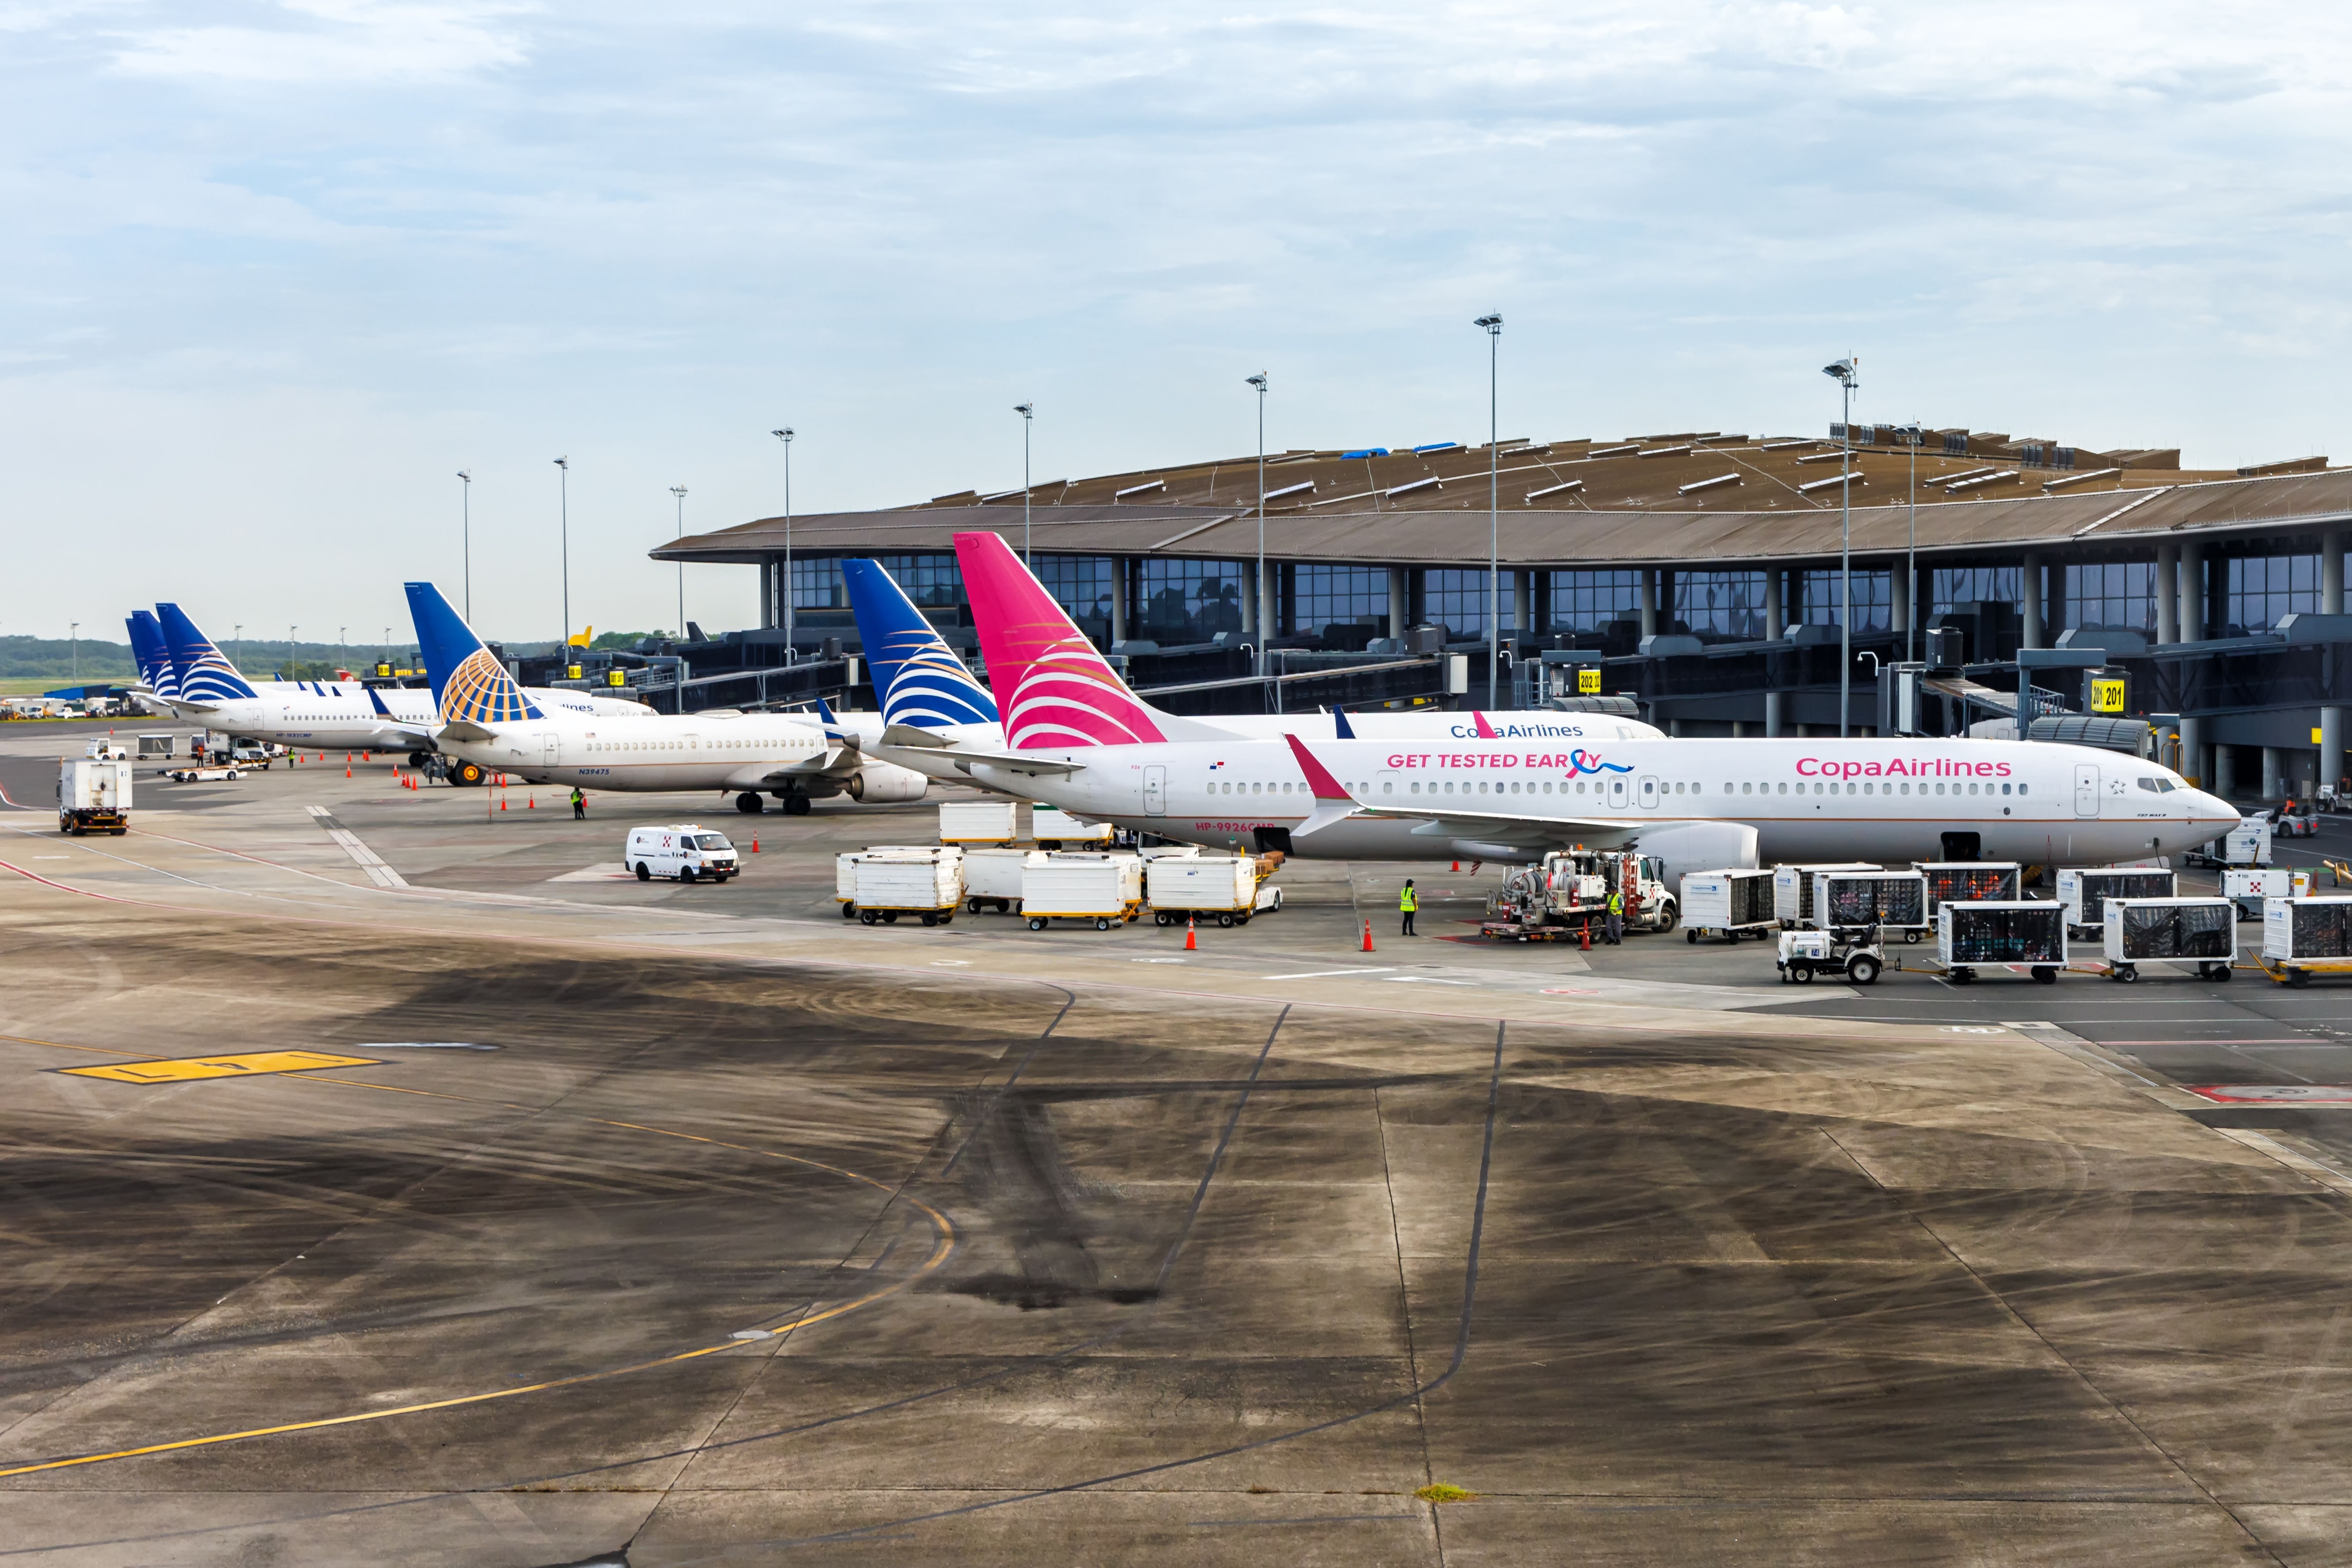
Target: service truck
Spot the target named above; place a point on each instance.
(2250, 886)
(93, 795)
(1565, 897)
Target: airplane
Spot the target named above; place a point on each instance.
(345, 715)
(935, 717)
(483, 717)
(157, 685)
(1078, 739)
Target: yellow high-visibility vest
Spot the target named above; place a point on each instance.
(1408, 901)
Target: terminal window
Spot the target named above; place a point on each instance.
(1726, 606)
(1456, 600)
(1872, 598)
(1954, 585)
(2115, 594)
(1314, 597)
(1186, 600)
(932, 580)
(1081, 584)
(2264, 588)
(1588, 601)
(816, 584)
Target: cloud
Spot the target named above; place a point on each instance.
(327, 42)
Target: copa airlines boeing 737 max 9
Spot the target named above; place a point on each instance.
(485, 717)
(1697, 804)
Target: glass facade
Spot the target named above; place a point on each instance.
(1181, 601)
(1314, 596)
(2113, 593)
(816, 584)
(1082, 584)
(1588, 601)
(1726, 606)
(1968, 585)
(2263, 587)
(1456, 600)
(1873, 597)
(934, 581)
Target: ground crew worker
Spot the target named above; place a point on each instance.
(1616, 917)
(1408, 902)
(579, 805)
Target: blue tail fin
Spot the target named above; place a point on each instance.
(917, 678)
(832, 730)
(468, 682)
(204, 673)
(147, 649)
(1339, 725)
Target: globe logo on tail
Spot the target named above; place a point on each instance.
(480, 691)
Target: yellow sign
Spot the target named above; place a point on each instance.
(1588, 682)
(245, 1064)
(2107, 696)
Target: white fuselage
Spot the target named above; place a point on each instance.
(737, 752)
(1889, 801)
(340, 715)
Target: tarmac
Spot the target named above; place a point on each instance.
(388, 1179)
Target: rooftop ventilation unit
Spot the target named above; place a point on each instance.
(1004, 495)
(1416, 485)
(1958, 477)
(1290, 490)
(1556, 489)
(1695, 485)
(1977, 483)
(1664, 451)
(1822, 457)
(1437, 446)
(2063, 481)
(1296, 457)
(1614, 451)
(1365, 452)
(1784, 445)
(1143, 489)
(1833, 479)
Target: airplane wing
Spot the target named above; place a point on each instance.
(460, 730)
(906, 737)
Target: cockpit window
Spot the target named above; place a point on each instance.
(2157, 785)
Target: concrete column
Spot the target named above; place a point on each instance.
(1120, 577)
(2271, 760)
(1649, 601)
(1776, 624)
(1674, 727)
(2192, 591)
(1523, 603)
(1400, 602)
(2225, 771)
(2331, 603)
(2168, 593)
(2331, 573)
(767, 593)
(1269, 601)
(1898, 588)
(2030, 594)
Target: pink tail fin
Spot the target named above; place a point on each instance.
(1052, 689)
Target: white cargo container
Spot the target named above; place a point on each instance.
(845, 868)
(1059, 830)
(2248, 844)
(2302, 937)
(1104, 888)
(1224, 886)
(2024, 933)
(164, 746)
(93, 795)
(1727, 903)
(992, 878)
(2250, 888)
(2085, 889)
(1874, 899)
(891, 884)
(2202, 931)
(1792, 888)
(984, 821)
(1970, 882)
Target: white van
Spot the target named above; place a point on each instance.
(686, 850)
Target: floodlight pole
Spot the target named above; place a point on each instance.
(1493, 323)
(73, 632)
(1911, 557)
(466, 518)
(785, 436)
(1028, 412)
(679, 491)
(1843, 372)
(564, 494)
(1263, 629)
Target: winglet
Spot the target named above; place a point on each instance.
(832, 730)
(1332, 801)
(376, 699)
(1340, 727)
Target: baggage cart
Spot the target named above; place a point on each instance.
(1728, 903)
(1792, 888)
(2303, 937)
(93, 795)
(992, 878)
(202, 774)
(1059, 830)
(2185, 932)
(967, 822)
(1872, 901)
(2252, 888)
(1105, 888)
(163, 747)
(2026, 933)
(2248, 844)
(889, 881)
(2085, 889)
(1226, 887)
(1969, 882)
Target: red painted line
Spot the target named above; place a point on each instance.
(2272, 1093)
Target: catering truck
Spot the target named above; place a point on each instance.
(94, 795)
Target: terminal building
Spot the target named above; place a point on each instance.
(1699, 570)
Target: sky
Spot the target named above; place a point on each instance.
(276, 272)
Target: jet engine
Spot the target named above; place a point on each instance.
(1687, 847)
(887, 783)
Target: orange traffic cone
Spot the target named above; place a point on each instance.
(1368, 936)
(503, 803)
(1457, 865)
(755, 843)
(1192, 943)
(1586, 942)
(532, 803)
(347, 770)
